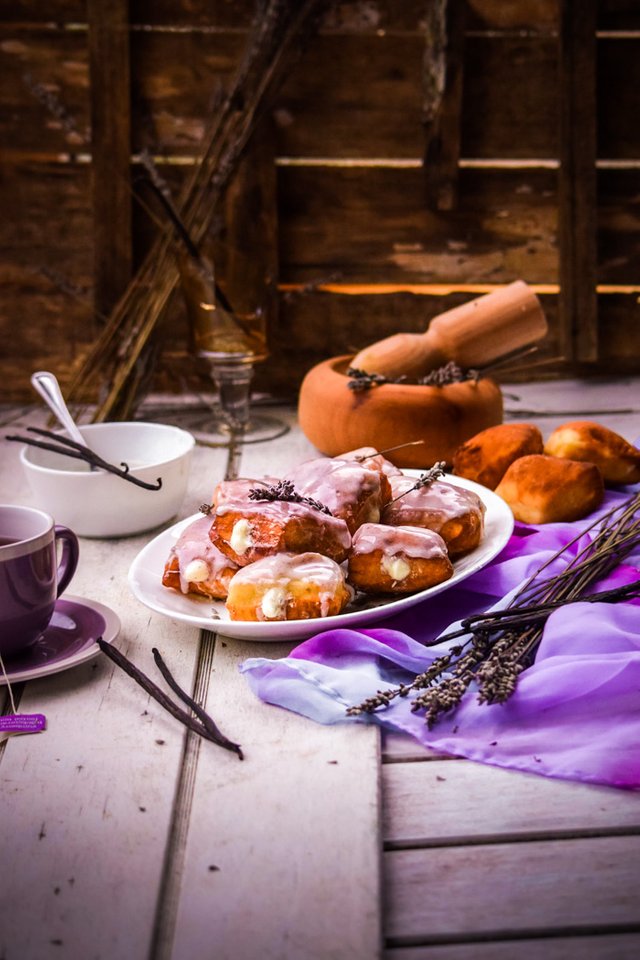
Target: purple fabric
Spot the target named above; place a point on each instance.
(575, 713)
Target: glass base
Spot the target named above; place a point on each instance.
(212, 431)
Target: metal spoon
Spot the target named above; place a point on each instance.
(49, 389)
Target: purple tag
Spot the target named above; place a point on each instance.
(23, 723)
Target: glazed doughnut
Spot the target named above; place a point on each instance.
(351, 490)
(618, 460)
(453, 512)
(195, 566)
(288, 586)
(400, 559)
(486, 456)
(246, 532)
(544, 489)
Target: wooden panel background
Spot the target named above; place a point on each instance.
(361, 251)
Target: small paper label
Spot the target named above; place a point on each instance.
(23, 723)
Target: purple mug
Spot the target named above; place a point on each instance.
(31, 579)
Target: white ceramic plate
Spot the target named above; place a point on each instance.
(145, 581)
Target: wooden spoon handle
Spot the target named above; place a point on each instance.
(474, 334)
(489, 327)
(400, 355)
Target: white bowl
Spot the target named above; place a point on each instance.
(96, 503)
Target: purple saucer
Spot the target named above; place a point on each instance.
(69, 639)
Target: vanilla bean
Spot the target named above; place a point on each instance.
(207, 730)
(203, 716)
(69, 448)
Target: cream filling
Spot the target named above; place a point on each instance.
(197, 571)
(396, 567)
(241, 538)
(274, 603)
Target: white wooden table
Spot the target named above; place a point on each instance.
(123, 837)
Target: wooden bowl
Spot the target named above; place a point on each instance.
(337, 419)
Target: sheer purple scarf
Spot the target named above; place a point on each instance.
(575, 713)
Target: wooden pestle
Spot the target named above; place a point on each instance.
(474, 334)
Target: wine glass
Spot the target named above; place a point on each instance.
(230, 343)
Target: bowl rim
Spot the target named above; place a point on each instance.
(188, 438)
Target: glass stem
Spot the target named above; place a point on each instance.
(234, 386)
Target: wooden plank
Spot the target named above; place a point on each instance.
(618, 72)
(47, 223)
(572, 887)
(437, 803)
(443, 86)
(45, 89)
(539, 15)
(356, 224)
(491, 122)
(577, 198)
(246, 252)
(618, 225)
(352, 16)
(45, 272)
(340, 224)
(382, 14)
(398, 748)
(49, 11)
(284, 889)
(619, 946)
(51, 238)
(90, 800)
(111, 147)
(618, 15)
(339, 108)
(340, 103)
(620, 338)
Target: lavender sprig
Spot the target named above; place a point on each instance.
(424, 480)
(361, 380)
(284, 490)
(449, 373)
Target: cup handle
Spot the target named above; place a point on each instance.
(69, 558)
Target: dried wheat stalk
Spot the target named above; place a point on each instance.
(279, 33)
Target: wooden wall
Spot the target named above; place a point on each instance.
(533, 172)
